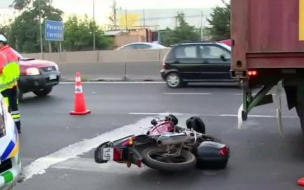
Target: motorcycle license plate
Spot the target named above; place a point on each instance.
(53, 77)
(108, 154)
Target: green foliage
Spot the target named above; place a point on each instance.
(79, 35)
(24, 31)
(4, 30)
(182, 32)
(219, 23)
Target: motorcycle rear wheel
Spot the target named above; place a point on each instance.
(150, 160)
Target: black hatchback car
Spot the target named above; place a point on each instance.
(197, 62)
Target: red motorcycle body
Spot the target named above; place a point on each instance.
(161, 128)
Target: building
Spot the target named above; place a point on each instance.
(160, 19)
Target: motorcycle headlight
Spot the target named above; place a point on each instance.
(32, 71)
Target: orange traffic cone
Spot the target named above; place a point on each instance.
(80, 107)
(301, 181)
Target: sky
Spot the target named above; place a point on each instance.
(102, 7)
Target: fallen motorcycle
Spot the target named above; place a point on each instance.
(167, 147)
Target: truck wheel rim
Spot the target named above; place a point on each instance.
(173, 80)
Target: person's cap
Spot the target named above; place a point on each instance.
(2, 38)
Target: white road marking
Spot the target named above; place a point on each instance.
(186, 93)
(210, 115)
(115, 82)
(239, 94)
(40, 165)
(89, 165)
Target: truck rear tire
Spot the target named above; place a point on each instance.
(300, 112)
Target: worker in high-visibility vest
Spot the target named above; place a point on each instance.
(9, 75)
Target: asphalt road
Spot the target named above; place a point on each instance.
(57, 148)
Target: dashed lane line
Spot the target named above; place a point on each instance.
(210, 115)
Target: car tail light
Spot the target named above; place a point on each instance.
(252, 73)
(224, 150)
(117, 154)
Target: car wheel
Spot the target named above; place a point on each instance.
(19, 94)
(173, 80)
(43, 92)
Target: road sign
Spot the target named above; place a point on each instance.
(54, 30)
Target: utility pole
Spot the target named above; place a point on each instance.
(94, 26)
(114, 14)
(144, 18)
(126, 19)
(202, 25)
(40, 28)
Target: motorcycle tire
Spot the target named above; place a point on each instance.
(190, 162)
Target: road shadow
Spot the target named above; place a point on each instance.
(212, 85)
(36, 99)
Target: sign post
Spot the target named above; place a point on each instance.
(54, 32)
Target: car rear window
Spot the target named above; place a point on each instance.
(185, 52)
(213, 52)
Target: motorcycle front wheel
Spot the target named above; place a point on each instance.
(154, 157)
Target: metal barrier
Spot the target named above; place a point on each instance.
(112, 71)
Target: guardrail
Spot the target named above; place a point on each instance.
(139, 71)
(105, 56)
(108, 65)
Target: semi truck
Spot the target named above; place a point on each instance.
(268, 51)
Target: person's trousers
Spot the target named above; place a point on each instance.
(11, 99)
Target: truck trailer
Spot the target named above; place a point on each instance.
(268, 51)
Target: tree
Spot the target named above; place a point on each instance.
(4, 29)
(113, 17)
(24, 32)
(182, 32)
(78, 35)
(219, 23)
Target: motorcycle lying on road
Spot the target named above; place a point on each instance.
(167, 147)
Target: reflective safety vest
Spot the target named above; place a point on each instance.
(10, 69)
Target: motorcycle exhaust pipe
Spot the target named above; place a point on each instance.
(171, 139)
